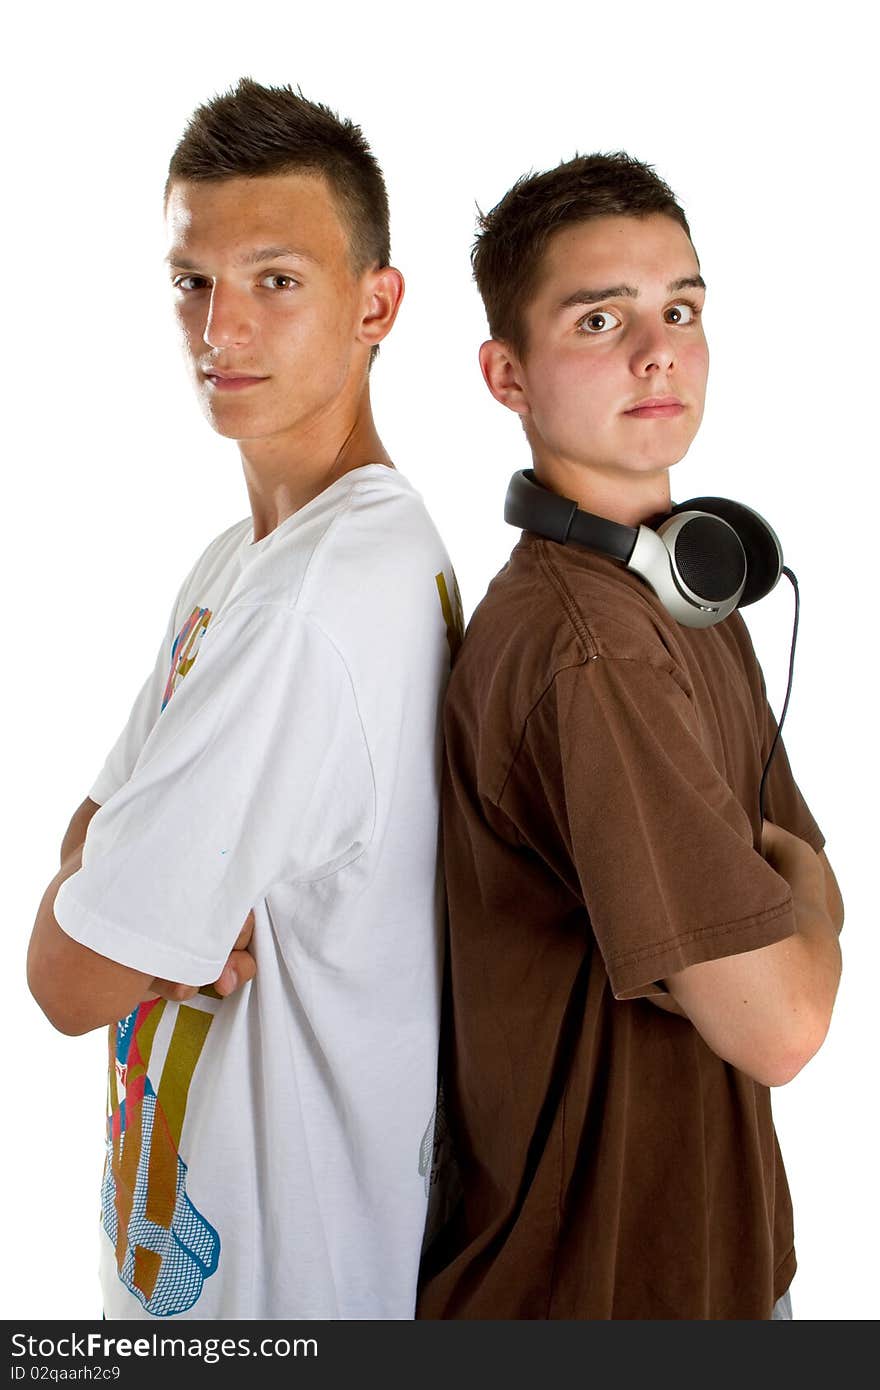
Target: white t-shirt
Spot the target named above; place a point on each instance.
(267, 1152)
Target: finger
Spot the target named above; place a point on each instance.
(172, 991)
(247, 931)
(239, 968)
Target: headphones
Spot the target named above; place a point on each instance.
(708, 557)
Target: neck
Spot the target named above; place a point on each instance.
(629, 498)
(288, 470)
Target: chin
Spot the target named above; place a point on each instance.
(232, 424)
(224, 429)
(666, 457)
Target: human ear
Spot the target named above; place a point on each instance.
(383, 293)
(502, 374)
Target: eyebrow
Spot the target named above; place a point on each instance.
(591, 296)
(259, 256)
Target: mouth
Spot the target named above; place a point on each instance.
(231, 381)
(655, 408)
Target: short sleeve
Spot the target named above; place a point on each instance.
(257, 772)
(662, 847)
(144, 712)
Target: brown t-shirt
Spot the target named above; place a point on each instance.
(601, 831)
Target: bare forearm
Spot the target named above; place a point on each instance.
(765, 1011)
(76, 988)
(811, 974)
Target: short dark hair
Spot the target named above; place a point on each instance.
(253, 131)
(513, 237)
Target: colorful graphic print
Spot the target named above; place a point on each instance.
(186, 649)
(165, 1249)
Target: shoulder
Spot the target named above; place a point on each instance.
(377, 561)
(376, 512)
(363, 563)
(218, 552)
(554, 607)
(368, 529)
(552, 615)
(212, 575)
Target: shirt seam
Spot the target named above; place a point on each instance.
(785, 1259)
(561, 671)
(309, 620)
(572, 610)
(545, 559)
(357, 488)
(320, 544)
(575, 665)
(716, 929)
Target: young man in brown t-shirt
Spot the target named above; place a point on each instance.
(635, 954)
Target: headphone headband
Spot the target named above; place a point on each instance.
(532, 507)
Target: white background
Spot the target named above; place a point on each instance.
(758, 116)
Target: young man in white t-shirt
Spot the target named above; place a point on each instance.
(267, 1150)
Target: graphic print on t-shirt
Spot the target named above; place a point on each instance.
(165, 1249)
(185, 649)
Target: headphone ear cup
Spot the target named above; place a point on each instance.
(757, 537)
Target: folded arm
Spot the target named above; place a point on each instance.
(230, 793)
(767, 1011)
(77, 988)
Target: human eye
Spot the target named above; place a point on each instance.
(278, 280)
(598, 321)
(682, 313)
(188, 283)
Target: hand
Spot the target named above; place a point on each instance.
(239, 968)
(795, 861)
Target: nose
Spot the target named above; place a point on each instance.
(229, 323)
(654, 351)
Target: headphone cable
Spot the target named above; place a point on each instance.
(797, 609)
